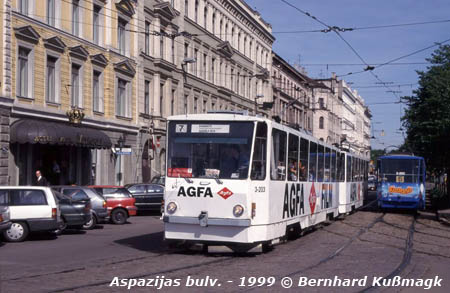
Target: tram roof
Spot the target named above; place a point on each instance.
(401, 157)
(219, 116)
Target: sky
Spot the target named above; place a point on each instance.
(313, 50)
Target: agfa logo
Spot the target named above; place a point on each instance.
(225, 193)
(312, 199)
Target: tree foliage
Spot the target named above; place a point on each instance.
(427, 118)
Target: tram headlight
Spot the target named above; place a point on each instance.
(171, 208)
(238, 210)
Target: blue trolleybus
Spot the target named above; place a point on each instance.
(401, 182)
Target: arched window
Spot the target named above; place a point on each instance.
(321, 123)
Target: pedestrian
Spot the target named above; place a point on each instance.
(40, 180)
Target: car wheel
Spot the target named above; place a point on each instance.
(91, 224)
(17, 232)
(119, 216)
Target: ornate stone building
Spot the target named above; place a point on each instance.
(196, 56)
(68, 86)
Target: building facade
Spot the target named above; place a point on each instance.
(355, 120)
(69, 88)
(292, 95)
(196, 56)
(328, 112)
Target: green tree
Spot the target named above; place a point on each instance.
(427, 117)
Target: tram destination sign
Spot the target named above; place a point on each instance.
(210, 128)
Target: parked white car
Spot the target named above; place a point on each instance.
(32, 209)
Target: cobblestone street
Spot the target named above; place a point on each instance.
(366, 243)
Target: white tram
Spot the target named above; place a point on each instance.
(241, 181)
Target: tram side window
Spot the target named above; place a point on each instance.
(293, 158)
(327, 170)
(342, 167)
(259, 153)
(278, 155)
(312, 162)
(303, 164)
(320, 162)
(349, 169)
(333, 166)
(338, 166)
(354, 169)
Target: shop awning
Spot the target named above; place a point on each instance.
(54, 133)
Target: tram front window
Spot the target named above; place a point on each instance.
(209, 149)
(400, 170)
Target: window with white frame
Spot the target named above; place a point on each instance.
(122, 36)
(76, 17)
(96, 23)
(213, 24)
(196, 63)
(147, 38)
(172, 103)
(147, 97)
(23, 6)
(195, 105)
(51, 12)
(161, 100)
(123, 98)
(213, 61)
(205, 59)
(24, 72)
(76, 86)
(161, 45)
(205, 17)
(97, 91)
(186, 104)
(52, 80)
(173, 49)
(186, 7)
(196, 11)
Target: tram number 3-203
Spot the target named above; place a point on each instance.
(257, 281)
(260, 189)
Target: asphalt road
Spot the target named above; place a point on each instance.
(366, 243)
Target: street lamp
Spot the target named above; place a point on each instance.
(186, 61)
(120, 142)
(256, 102)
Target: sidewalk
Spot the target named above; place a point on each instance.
(444, 216)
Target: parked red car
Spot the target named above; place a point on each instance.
(119, 202)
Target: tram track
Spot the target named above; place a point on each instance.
(338, 251)
(407, 254)
(142, 275)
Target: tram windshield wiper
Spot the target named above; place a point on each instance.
(218, 181)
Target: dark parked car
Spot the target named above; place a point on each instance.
(159, 179)
(98, 202)
(148, 196)
(75, 212)
(5, 221)
(119, 201)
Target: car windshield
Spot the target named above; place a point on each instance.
(400, 170)
(209, 149)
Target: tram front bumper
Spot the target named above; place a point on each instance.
(210, 221)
